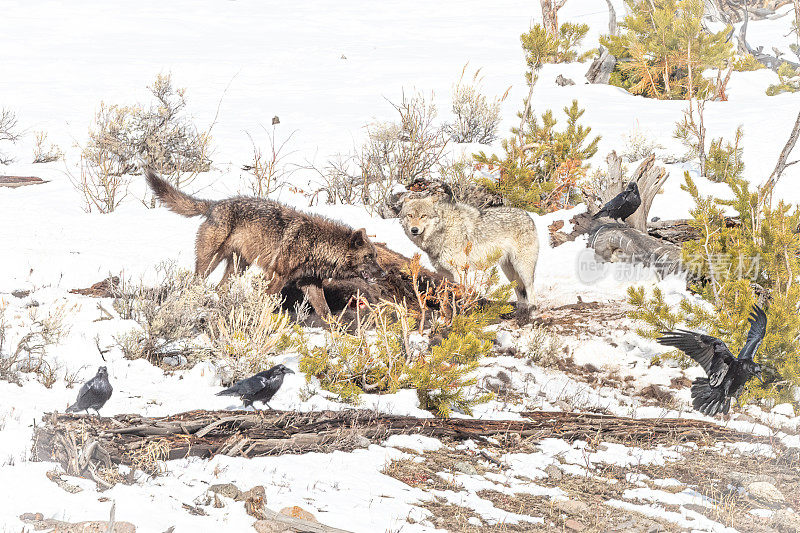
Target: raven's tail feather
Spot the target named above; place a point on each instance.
(73, 408)
(175, 200)
(707, 399)
(228, 392)
(599, 214)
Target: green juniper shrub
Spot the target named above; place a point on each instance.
(662, 49)
(541, 47)
(788, 81)
(729, 265)
(376, 354)
(530, 170)
(747, 63)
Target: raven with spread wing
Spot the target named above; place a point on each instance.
(259, 388)
(94, 394)
(727, 375)
(622, 205)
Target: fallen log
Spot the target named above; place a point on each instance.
(83, 444)
(293, 525)
(19, 181)
(617, 242)
(680, 230)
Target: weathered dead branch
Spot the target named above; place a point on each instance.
(649, 178)
(82, 444)
(780, 166)
(680, 230)
(616, 242)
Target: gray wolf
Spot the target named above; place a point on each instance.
(259, 388)
(288, 245)
(727, 375)
(94, 394)
(444, 229)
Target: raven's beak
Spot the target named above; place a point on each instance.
(289, 371)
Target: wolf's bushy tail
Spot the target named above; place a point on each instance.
(175, 200)
(707, 399)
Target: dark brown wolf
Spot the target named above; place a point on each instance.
(287, 244)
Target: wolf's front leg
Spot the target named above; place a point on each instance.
(312, 288)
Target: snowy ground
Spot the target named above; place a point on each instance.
(327, 71)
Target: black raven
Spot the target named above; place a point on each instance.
(727, 375)
(622, 205)
(259, 388)
(94, 394)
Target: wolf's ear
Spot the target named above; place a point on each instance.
(440, 197)
(447, 190)
(359, 238)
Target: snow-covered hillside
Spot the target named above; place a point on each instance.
(327, 70)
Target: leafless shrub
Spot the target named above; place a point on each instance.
(43, 153)
(477, 117)
(340, 180)
(171, 316)
(395, 153)
(8, 124)
(185, 319)
(102, 188)
(72, 377)
(267, 169)
(251, 328)
(410, 151)
(544, 348)
(29, 354)
(123, 138)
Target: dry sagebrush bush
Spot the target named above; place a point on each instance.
(394, 153)
(42, 153)
(476, 116)
(124, 138)
(544, 348)
(241, 326)
(250, 328)
(41, 331)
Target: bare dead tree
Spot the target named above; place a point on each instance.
(648, 177)
(550, 15)
(612, 18)
(782, 164)
(772, 62)
(603, 65)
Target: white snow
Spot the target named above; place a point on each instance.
(326, 70)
